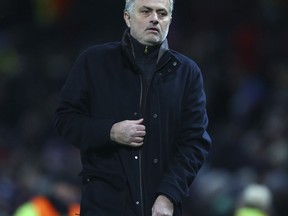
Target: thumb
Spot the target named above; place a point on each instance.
(138, 121)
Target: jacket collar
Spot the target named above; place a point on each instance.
(128, 49)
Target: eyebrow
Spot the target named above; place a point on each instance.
(149, 8)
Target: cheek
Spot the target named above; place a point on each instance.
(165, 27)
(139, 25)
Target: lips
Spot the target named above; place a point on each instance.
(153, 29)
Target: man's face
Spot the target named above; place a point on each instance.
(149, 21)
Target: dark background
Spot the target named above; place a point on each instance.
(241, 47)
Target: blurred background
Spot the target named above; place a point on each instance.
(242, 49)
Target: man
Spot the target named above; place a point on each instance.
(61, 200)
(136, 110)
(255, 200)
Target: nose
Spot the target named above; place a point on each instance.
(154, 18)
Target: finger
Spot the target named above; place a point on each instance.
(140, 128)
(138, 139)
(139, 134)
(138, 121)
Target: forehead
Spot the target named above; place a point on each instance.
(157, 4)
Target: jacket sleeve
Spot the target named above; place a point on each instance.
(73, 120)
(192, 144)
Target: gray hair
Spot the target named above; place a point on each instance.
(130, 5)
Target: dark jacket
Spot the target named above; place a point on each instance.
(106, 86)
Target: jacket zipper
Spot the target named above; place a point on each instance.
(141, 183)
(142, 105)
(140, 151)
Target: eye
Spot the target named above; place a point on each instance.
(145, 11)
(162, 13)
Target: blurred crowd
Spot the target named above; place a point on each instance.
(242, 49)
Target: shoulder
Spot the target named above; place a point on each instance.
(102, 49)
(98, 54)
(185, 61)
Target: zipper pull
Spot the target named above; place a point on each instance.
(146, 50)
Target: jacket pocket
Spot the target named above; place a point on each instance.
(99, 197)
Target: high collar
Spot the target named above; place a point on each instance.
(136, 48)
(143, 51)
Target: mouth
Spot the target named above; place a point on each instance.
(153, 29)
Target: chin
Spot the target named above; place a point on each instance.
(153, 41)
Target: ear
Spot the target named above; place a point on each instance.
(127, 19)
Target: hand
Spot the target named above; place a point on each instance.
(128, 132)
(162, 207)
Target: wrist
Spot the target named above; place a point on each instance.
(168, 198)
(112, 133)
